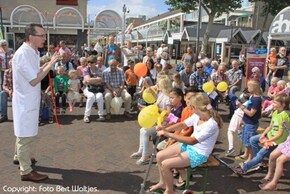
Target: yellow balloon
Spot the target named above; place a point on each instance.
(148, 116)
(148, 97)
(208, 87)
(160, 118)
(222, 86)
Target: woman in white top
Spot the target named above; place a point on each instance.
(193, 150)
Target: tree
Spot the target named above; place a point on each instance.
(214, 8)
(269, 7)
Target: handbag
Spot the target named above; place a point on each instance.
(100, 88)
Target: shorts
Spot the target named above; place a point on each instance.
(194, 157)
(248, 132)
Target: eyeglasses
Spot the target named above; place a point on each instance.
(254, 72)
(91, 62)
(199, 67)
(39, 35)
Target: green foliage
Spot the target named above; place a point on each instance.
(212, 7)
(272, 7)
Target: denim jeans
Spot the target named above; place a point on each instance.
(249, 131)
(258, 152)
(1, 80)
(3, 104)
(233, 99)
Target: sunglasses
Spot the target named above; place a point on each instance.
(199, 67)
(91, 62)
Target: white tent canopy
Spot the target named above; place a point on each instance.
(280, 27)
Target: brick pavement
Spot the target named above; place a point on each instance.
(95, 158)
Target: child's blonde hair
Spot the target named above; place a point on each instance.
(276, 79)
(165, 85)
(256, 86)
(177, 78)
(161, 75)
(201, 102)
(281, 83)
(283, 99)
(60, 68)
(273, 49)
(72, 72)
(83, 59)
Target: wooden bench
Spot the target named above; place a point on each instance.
(211, 162)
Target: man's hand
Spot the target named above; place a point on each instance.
(55, 57)
(10, 93)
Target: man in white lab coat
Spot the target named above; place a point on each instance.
(27, 75)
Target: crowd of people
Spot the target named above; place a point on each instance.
(105, 74)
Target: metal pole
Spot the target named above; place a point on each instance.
(198, 29)
(124, 23)
(143, 184)
(47, 30)
(1, 20)
(232, 28)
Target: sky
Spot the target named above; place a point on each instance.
(150, 8)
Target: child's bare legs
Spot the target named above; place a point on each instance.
(276, 159)
(248, 154)
(182, 175)
(272, 163)
(179, 161)
(70, 103)
(268, 76)
(167, 153)
(73, 103)
(274, 72)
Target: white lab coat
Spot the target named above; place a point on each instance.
(26, 98)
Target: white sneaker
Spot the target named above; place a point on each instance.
(86, 119)
(230, 152)
(101, 118)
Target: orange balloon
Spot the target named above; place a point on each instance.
(140, 69)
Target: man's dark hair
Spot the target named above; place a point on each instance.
(30, 30)
(191, 89)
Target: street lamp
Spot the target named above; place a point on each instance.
(232, 24)
(47, 29)
(198, 29)
(125, 10)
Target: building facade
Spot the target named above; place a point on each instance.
(62, 19)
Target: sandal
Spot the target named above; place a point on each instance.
(142, 162)
(263, 181)
(239, 171)
(136, 155)
(50, 120)
(180, 185)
